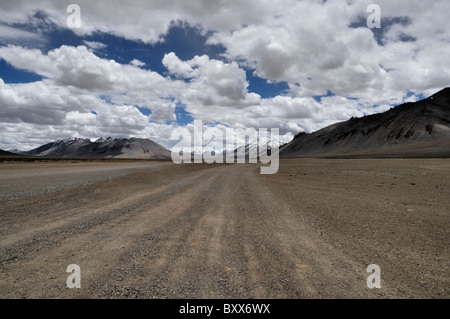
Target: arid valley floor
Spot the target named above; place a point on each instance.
(160, 230)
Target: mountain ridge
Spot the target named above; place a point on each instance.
(137, 148)
(419, 128)
(7, 153)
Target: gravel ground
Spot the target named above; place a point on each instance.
(47, 177)
(225, 231)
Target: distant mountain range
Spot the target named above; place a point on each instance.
(102, 148)
(252, 150)
(242, 152)
(419, 129)
(6, 153)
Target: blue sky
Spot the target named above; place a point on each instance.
(146, 69)
(181, 38)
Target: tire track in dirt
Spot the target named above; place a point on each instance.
(91, 235)
(321, 270)
(186, 231)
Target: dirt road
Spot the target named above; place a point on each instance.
(210, 231)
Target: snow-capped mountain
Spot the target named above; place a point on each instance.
(16, 151)
(252, 150)
(102, 148)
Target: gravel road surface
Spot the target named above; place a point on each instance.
(160, 230)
